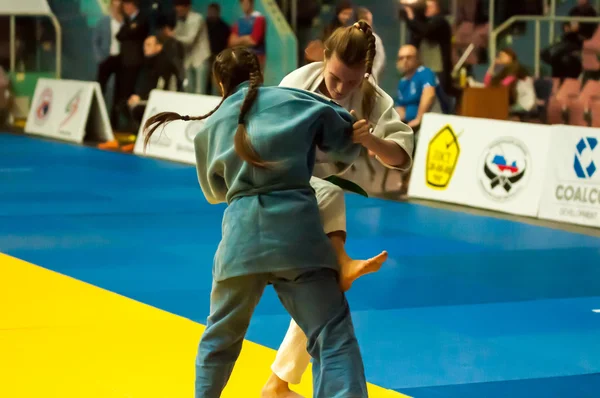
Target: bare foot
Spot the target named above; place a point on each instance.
(354, 269)
(277, 388)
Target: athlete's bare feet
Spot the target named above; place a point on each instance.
(277, 388)
(353, 269)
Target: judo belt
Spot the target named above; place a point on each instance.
(347, 185)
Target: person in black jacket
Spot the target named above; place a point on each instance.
(584, 9)
(172, 47)
(565, 56)
(432, 36)
(218, 36)
(157, 72)
(132, 34)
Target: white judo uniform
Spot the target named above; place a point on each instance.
(292, 357)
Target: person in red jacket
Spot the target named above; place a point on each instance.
(249, 31)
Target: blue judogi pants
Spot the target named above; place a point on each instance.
(313, 298)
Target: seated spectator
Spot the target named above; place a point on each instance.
(379, 61)
(507, 71)
(433, 37)
(416, 93)
(250, 30)
(192, 33)
(584, 9)
(158, 72)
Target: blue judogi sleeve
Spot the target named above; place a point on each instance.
(335, 135)
(210, 174)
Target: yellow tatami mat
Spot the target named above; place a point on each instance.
(60, 337)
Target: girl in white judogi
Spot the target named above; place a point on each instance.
(345, 77)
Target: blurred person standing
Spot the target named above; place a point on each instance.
(250, 31)
(344, 16)
(106, 48)
(173, 48)
(218, 36)
(379, 61)
(131, 36)
(432, 36)
(192, 32)
(584, 9)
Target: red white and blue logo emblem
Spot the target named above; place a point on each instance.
(504, 168)
(44, 106)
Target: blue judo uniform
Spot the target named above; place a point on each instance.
(272, 234)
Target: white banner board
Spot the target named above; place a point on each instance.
(572, 188)
(24, 7)
(175, 141)
(69, 110)
(489, 164)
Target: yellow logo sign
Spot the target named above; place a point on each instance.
(442, 156)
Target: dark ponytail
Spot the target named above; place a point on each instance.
(164, 118)
(232, 67)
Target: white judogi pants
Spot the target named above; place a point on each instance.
(292, 358)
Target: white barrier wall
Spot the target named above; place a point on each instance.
(518, 168)
(490, 164)
(175, 141)
(572, 188)
(69, 110)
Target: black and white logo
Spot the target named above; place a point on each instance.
(504, 168)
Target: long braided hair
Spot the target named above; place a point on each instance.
(355, 46)
(232, 67)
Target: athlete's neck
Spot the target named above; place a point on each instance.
(323, 89)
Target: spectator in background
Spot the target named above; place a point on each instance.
(344, 16)
(106, 50)
(416, 93)
(565, 56)
(192, 32)
(5, 42)
(432, 36)
(158, 72)
(172, 48)
(305, 16)
(218, 36)
(132, 34)
(250, 30)
(507, 71)
(584, 9)
(379, 61)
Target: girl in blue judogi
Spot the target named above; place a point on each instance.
(257, 153)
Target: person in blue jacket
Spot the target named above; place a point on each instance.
(257, 152)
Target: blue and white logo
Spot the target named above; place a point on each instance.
(583, 164)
